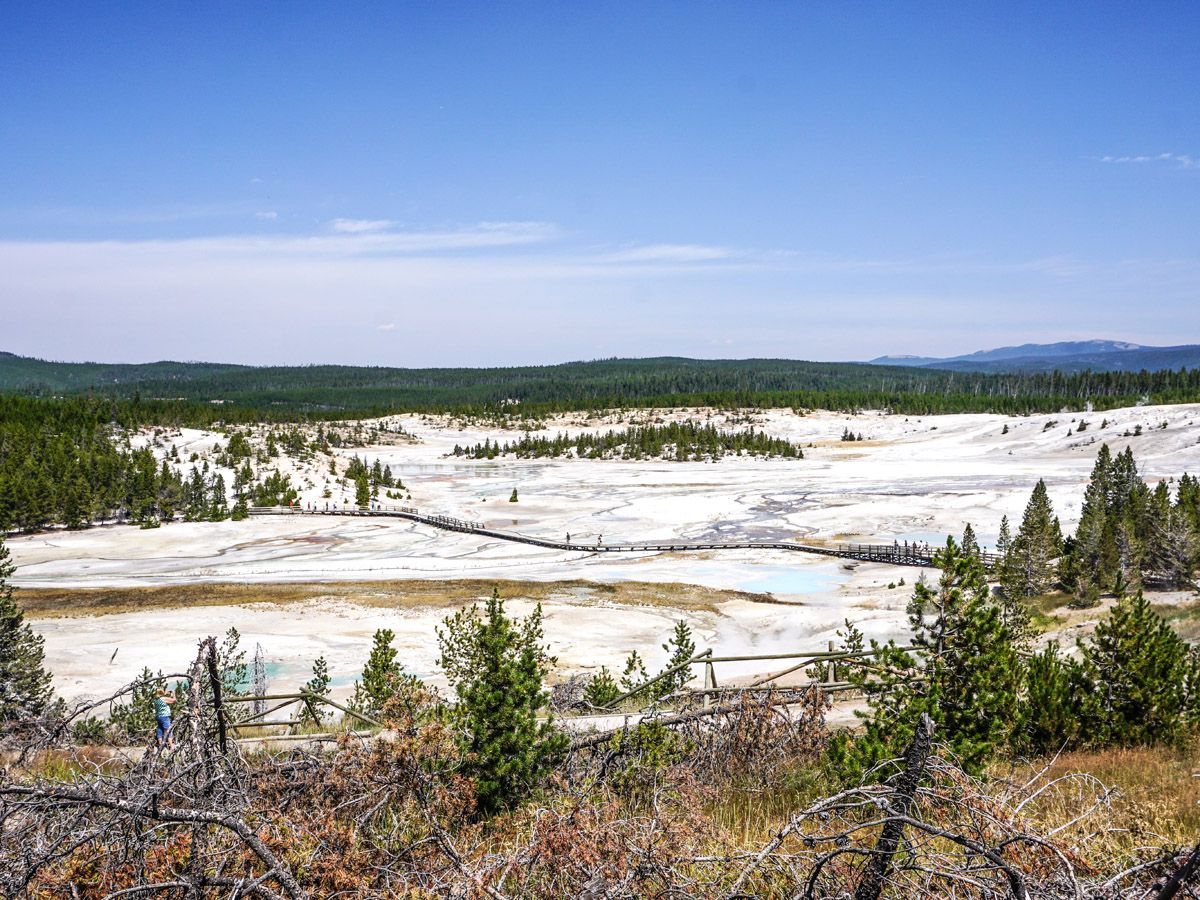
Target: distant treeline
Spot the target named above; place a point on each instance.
(676, 440)
(70, 462)
(330, 392)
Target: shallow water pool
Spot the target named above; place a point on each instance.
(793, 580)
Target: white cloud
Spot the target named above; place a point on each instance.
(361, 226)
(517, 292)
(670, 253)
(1183, 160)
(267, 216)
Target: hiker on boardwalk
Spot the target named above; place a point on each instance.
(163, 699)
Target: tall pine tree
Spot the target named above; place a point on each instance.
(966, 675)
(25, 685)
(1037, 544)
(970, 544)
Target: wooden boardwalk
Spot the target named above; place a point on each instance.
(897, 553)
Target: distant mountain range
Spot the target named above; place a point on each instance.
(1065, 356)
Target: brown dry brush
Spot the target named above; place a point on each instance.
(626, 816)
(174, 819)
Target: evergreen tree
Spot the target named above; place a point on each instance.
(1123, 482)
(1056, 692)
(970, 545)
(497, 666)
(1130, 556)
(1003, 550)
(1037, 544)
(234, 673)
(634, 674)
(602, 689)
(75, 507)
(1013, 612)
(218, 506)
(1093, 556)
(680, 648)
(275, 490)
(1122, 531)
(231, 664)
(141, 498)
(319, 685)
(1141, 671)
(26, 689)
(362, 491)
(240, 510)
(1175, 548)
(195, 497)
(966, 675)
(513, 497)
(170, 492)
(1188, 500)
(242, 479)
(383, 676)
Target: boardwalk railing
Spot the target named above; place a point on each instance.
(897, 553)
(311, 702)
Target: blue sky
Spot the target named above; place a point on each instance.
(420, 184)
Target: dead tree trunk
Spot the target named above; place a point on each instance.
(1181, 876)
(915, 759)
(218, 711)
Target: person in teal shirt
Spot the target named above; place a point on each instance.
(162, 715)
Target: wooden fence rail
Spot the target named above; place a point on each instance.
(310, 700)
(806, 658)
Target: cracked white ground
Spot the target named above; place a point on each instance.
(914, 478)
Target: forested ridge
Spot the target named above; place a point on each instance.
(348, 391)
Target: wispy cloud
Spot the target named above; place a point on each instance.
(267, 215)
(670, 253)
(1182, 160)
(343, 244)
(531, 294)
(360, 226)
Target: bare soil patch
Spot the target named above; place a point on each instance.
(52, 603)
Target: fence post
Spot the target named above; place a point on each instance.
(830, 668)
(710, 682)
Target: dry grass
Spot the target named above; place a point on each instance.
(748, 816)
(1184, 617)
(47, 603)
(1157, 798)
